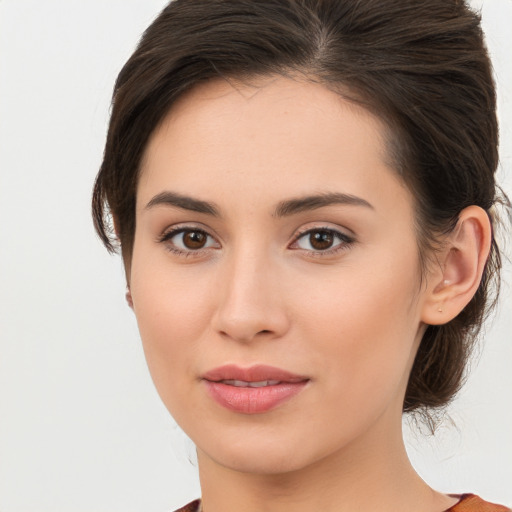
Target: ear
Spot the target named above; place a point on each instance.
(128, 297)
(453, 283)
(126, 261)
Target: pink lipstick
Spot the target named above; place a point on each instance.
(252, 390)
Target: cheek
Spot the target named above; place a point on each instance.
(173, 311)
(364, 325)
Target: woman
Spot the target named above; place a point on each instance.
(303, 192)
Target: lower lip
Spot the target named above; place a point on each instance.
(253, 400)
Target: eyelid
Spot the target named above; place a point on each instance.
(325, 227)
(346, 240)
(174, 230)
(184, 226)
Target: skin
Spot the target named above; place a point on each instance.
(349, 317)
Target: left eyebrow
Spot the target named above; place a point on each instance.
(184, 202)
(307, 203)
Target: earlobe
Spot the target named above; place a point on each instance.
(462, 261)
(128, 297)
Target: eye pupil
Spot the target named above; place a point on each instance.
(194, 239)
(321, 239)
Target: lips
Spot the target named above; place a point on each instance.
(245, 384)
(253, 390)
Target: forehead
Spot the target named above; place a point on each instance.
(271, 136)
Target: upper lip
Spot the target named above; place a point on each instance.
(257, 373)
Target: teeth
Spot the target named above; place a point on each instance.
(244, 384)
(263, 383)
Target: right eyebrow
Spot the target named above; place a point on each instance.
(313, 202)
(184, 202)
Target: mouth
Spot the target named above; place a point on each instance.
(253, 390)
(258, 374)
(247, 384)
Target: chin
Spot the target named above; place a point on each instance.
(268, 457)
(260, 463)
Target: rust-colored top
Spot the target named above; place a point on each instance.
(194, 506)
(472, 503)
(467, 503)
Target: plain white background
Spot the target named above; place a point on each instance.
(81, 427)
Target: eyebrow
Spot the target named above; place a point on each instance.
(307, 203)
(183, 202)
(283, 209)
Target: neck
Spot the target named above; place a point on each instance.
(367, 475)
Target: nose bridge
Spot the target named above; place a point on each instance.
(249, 299)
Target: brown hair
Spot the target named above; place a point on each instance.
(420, 65)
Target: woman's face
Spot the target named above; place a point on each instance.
(271, 232)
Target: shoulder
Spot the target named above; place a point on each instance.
(472, 503)
(193, 506)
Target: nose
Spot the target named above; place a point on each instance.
(250, 302)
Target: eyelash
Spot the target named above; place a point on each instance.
(345, 241)
(167, 236)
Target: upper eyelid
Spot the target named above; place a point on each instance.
(171, 232)
(338, 230)
(182, 227)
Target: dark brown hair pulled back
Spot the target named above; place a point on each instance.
(420, 65)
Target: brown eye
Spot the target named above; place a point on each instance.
(188, 240)
(321, 240)
(194, 239)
